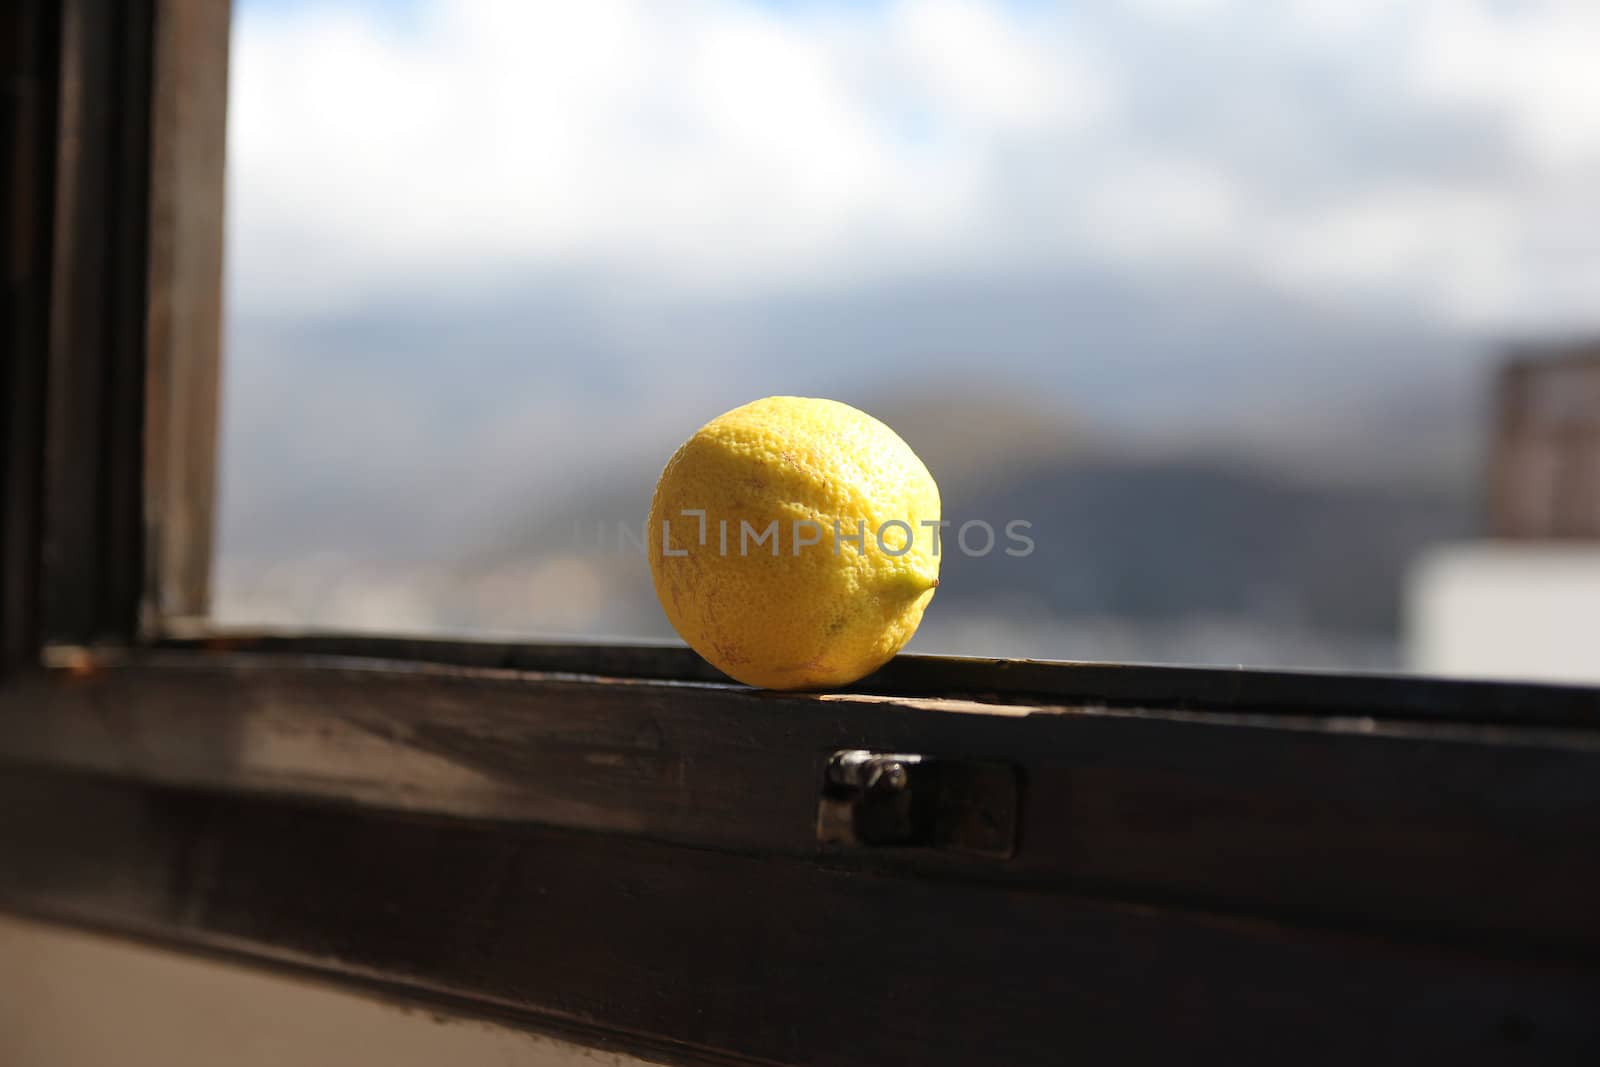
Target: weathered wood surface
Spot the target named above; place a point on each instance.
(1212, 689)
(181, 389)
(27, 155)
(113, 145)
(90, 540)
(1451, 834)
(772, 959)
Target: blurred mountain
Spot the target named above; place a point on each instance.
(967, 431)
(1117, 533)
(1180, 557)
(1208, 466)
(411, 429)
(1153, 540)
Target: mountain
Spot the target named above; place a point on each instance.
(408, 430)
(1192, 452)
(1192, 537)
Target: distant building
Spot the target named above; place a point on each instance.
(1544, 473)
(1525, 604)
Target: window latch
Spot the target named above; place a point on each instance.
(883, 799)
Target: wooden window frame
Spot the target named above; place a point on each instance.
(615, 844)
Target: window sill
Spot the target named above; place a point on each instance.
(611, 838)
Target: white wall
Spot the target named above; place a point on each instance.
(1518, 610)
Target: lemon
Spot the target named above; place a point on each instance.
(793, 542)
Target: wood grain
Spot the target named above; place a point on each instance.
(779, 961)
(188, 142)
(113, 139)
(1212, 689)
(1448, 834)
(89, 569)
(28, 72)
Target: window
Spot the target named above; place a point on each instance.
(956, 861)
(1210, 299)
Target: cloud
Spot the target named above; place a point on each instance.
(689, 143)
(1439, 153)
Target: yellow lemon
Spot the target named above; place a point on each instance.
(794, 542)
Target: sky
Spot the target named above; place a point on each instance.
(1434, 155)
(484, 252)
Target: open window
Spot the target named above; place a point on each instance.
(958, 860)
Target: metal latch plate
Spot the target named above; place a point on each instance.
(888, 799)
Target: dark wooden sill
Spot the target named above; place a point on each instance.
(612, 839)
(1210, 689)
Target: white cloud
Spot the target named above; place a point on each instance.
(1442, 152)
(1154, 209)
(1400, 242)
(989, 71)
(1533, 65)
(696, 142)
